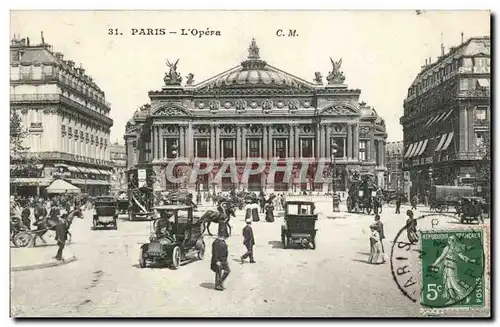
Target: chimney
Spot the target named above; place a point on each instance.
(462, 37)
(426, 61)
(442, 45)
(430, 60)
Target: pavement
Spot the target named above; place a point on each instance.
(41, 256)
(335, 280)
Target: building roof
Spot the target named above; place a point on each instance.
(391, 147)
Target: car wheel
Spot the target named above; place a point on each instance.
(142, 256)
(23, 239)
(176, 257)
(201, 251)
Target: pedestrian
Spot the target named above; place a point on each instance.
(248, 241)
(270, 211)
(248, 210)
(411, 227)
(255, 210)
(61, 237)
(398, 203)
(219, 263)
(375, 247)
(380, 229)
(262, 202)
(414, 201)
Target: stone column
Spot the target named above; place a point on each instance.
(368, 150)
(189, 141)
(291, 146)
(471, 142)
(296, 142)
(212, 141)
(317, 152)
(464, 132)
(349, 142)
(265, 142)
(356, 142)
(328, 143)
(181, 150)
(243, 143)
(325, 142)
(218, 148)
(238, 142)
(270, 143)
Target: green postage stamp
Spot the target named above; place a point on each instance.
(453, 268)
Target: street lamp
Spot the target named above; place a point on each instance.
(431, 179)
(335, 197)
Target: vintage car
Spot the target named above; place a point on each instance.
(299, 224)
(106, 212)
(471, 209)
(444, 196)
(175, 236)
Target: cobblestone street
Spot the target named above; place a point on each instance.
(333, 280)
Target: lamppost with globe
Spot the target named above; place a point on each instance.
(174, 155)
(335, 197)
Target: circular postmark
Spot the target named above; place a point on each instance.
(439, 267)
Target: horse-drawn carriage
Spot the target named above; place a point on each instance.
(299, 225)
(106, 212)
(176, 234)
(20, 235)
(361, 195)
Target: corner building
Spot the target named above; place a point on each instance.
(255, 110)
(66, 117)
(447, 116)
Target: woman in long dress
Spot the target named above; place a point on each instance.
(375, 246)
(255, 211)
(454, 291)
(270, 212)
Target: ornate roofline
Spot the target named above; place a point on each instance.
(170, 108)
(339, 108)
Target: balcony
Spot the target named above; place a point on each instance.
(474, 93)
(55, 155)
(54, 98)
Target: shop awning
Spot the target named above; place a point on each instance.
(408, 151)
(441, 142)
(433, 120)
(106, 172)
(57, 165)
(447, 115)
(85, 170)
(416, 149)
(94, 171)
(428, 122)
(448, 141)
(60, 186)
(441, 116)
(89, 182)
(73, 169)
(483, 82)
(422, 149)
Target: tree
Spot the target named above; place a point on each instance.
(484, 150)
(17, 135)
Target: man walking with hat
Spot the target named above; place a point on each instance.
(248, 241)
(61, 236)
(219, 263)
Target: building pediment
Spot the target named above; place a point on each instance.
(339, 109)
(169, 110)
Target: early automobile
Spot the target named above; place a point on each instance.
(176, 235)
(106, 212)
(299, 224)
(442, 197)
(471, 209)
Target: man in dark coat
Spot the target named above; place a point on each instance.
(61, 237)
(219, 263)
(398, 202)
(248, 241)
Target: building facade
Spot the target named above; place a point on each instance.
(118, 156)
(66, 119)
(394, 164)
(255, 110)
(447, 115)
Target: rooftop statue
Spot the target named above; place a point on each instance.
(253, 50)
(336, 76)
(172, 77)
(318, 79)
(190, 79)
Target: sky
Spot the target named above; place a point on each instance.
(381, 51)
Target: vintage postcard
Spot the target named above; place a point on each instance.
(250, 163)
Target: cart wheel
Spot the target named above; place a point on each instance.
(176, 257)
(201, 251)
(440, 209)
(285, 242)
(142, 259)
(23, 239)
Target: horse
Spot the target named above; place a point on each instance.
(50, 223)
(223, 215)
